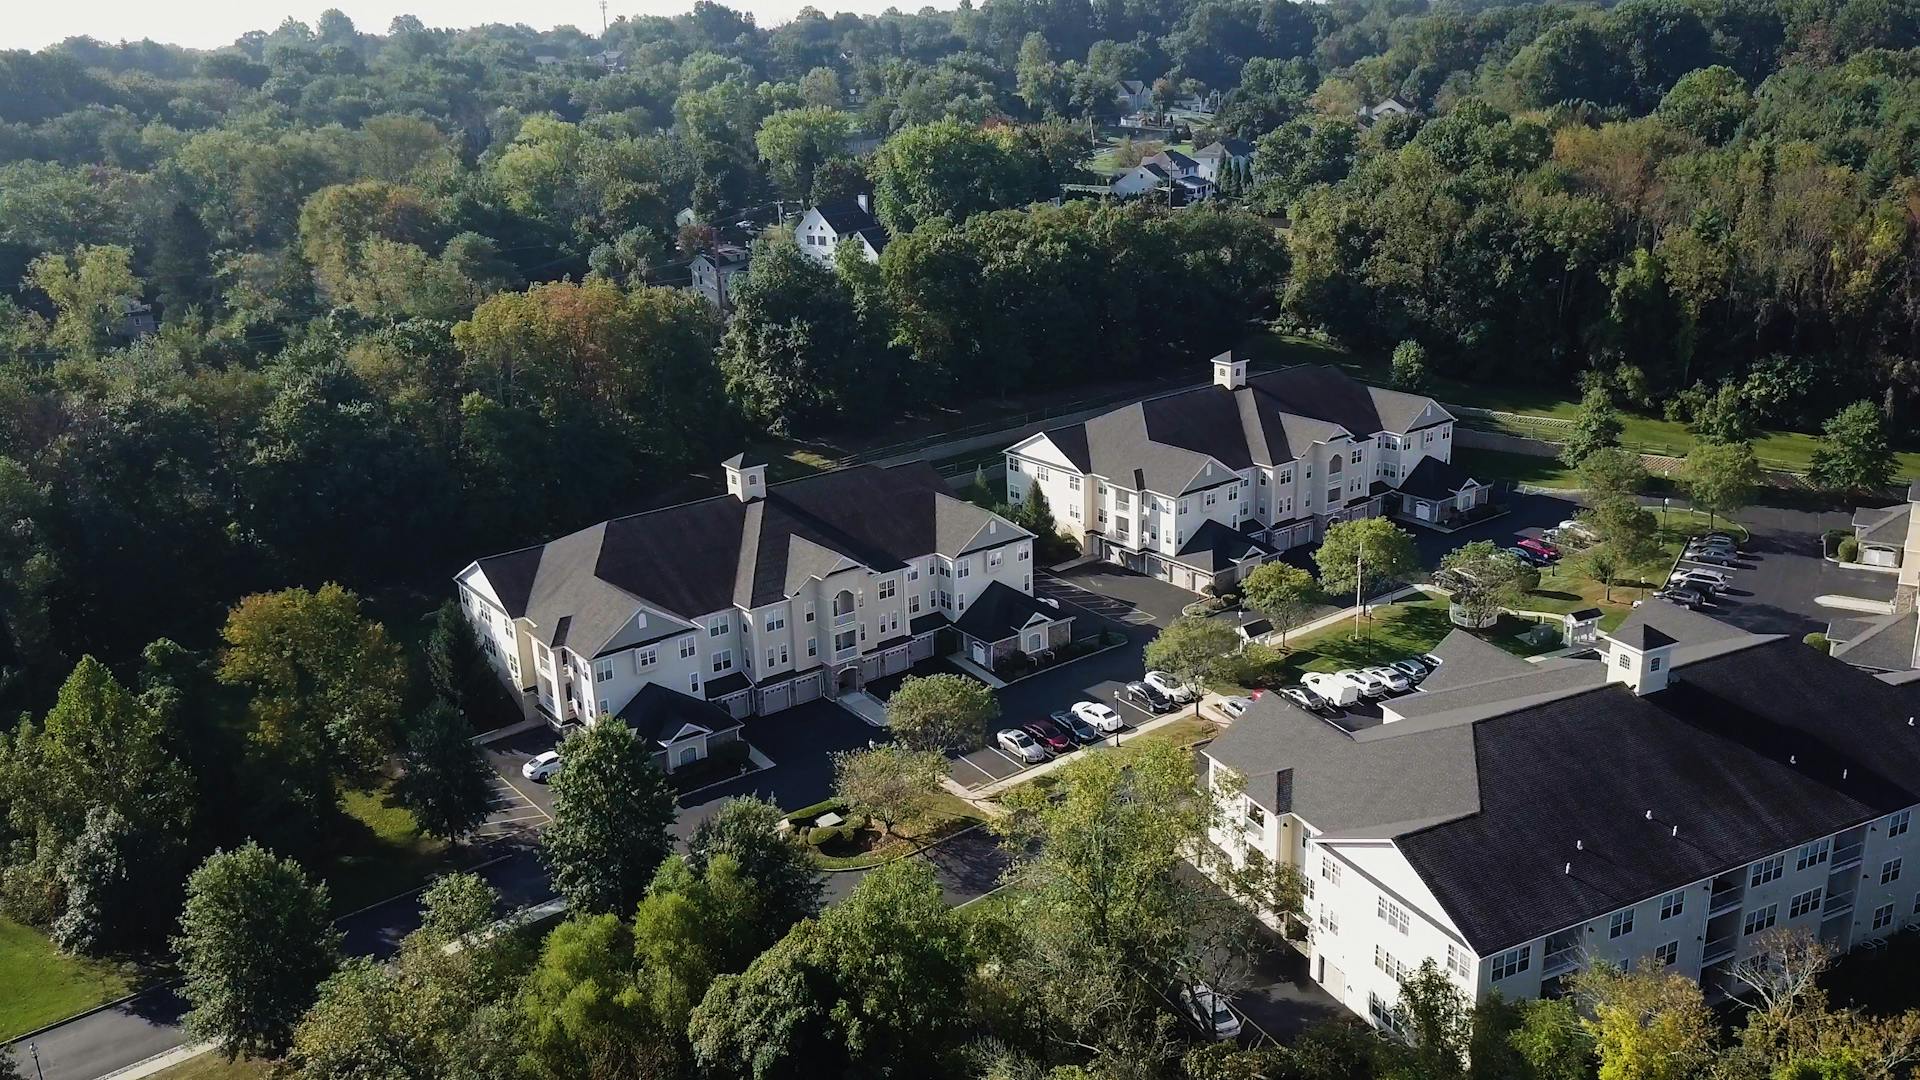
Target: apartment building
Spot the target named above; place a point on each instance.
(1669, 801)
(753, 601)
(1199, 486)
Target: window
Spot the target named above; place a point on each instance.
(1392, 914)
(1805, 902)
(1232, 493)
(913, 604)
(1512, 962)
(770, 658)
(1025, 554)
(1459, 964)
(1814, 854)
(1356, 457)
(960, 569)
(1767, 870)
(994, 558)
(1883, 916)
(1620, 925)
(1210, 499)
(1653, 664)
(720, 626)
(1667, 954)
(1013, 464)
(1073, 483)
(506, 626)
(1761, 919)
(1329, 921)
(843, 641)
(1256, 817)
(647, 657)
(1897, 823)
(686, 647)
(1333, 464)
(1384, 960)
(1672, 904)
(1285, 476)
(602, 672)
(1379, 1010)
(776, 622)
(1042, 472)
(1889, 871)
(808, 617)
(723, 660)
(813, 646)
(693, 681)
(887, 589)
(1330, 870)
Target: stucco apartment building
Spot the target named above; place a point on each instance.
(1199, 486)
(753, 601)
(1669, 802)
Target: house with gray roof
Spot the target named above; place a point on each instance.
(1199, 486)
(1669, 802)
(765, 597)
(823, 228)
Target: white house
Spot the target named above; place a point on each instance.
(1140, 180)
(1667, 803)
(825, 227)
(1372, 114)
(756, 600)
(1217, 157)
(714, 272)
(1198, 486)
(1133, 96)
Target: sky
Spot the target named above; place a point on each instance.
(207, 24)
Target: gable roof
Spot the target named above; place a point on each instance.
(845, 216)
(1435, 479)
(1214, 546)
(1468, 661)
(660, 715)
(1882, 525)
(1225, 148)
(675, 564)
(1001, 611)
(1888, 643)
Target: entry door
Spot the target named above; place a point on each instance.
(687, 756)
(980, 654)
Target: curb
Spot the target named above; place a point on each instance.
(27, 1036)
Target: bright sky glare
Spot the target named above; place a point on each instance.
(207, 24)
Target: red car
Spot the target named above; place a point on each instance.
(1049, 735)
(1540, 548)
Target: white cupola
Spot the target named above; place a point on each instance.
(746, 477)
(1229, 371)
(1639, 656)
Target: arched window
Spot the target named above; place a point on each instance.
(842, 602)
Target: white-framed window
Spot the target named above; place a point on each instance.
(1286, 476)
(693, 681)
(723, 660)
(1883, 916)
(1760, 919)
(813, 646)
(913, 604)
(1803, 903)
(1620, 925)
(1041, 472)
(1381, 1012)
(1385, 961)
(1013, 464)
(1329, 920)
(603, 707)
(1356, 457)
(1512, 962)
(1025, 554)
(602, 672)
(1897, 823)
(1211, 498)
(1767, 870)
(720, 627)
(1890, 871)
(686, 647)
(646, 657)
(1814, 854)
(1073, 483)
(1459, 962)
(1666, 954)
(1329, 870)
(961, 569)
(1673, 904)
(543, 660)
(776, 622)
(888, 588)
(1392, 914)
(994, 558)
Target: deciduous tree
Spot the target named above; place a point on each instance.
(890, 784)
(1361, 556)
(1853, 455)
(1596, 425)
(1282, 592)
(942, 712)
(1193, 651)
(1721, 477)
(611, 813)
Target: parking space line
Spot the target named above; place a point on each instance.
(1011, 760)
(524, 795)
(971, 764)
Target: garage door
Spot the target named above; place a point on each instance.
(775, 698)
(806, 688)
(894, 661)
(920, 648)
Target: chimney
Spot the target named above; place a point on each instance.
(866, 202)
(746, 477)
(1229, 372)
(1639, 657)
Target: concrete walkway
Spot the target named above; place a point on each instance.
(865, 706)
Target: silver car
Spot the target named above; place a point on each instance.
(1371, 685)
(1021, 745)
(1396, 681)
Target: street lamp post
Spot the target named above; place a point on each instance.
(34, 1049)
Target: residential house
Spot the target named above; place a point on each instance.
(1132, 96)
(825, 227)
(1889, 538)
(1373, 114)
(1667, 803)
(714, 271)
(137, 320)
(1168, 171)
(1221, 156)
(753, 601)
(1140, 180)
(1199, 486)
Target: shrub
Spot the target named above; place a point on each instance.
(808, 813)
(1848, 549)
(1830, 540)
(1818, 641)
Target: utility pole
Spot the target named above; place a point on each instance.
(1359, 554)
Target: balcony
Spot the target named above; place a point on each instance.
(847, 653)
(1835, 907)
(1847, 858)
(845, 618)
(1723, 901)
(1559, 961)
(1719, 949)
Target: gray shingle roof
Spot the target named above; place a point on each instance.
(1889, 643)
(1215, 546)
(1001, 611)
(1435, 479)
(1468, 661)
(1882, 525)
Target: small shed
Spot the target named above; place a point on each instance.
(1583, 627)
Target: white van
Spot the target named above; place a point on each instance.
(1337, 689)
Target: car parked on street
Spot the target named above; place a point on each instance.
(1021, 746)
(541, 766)
(1170, 686)
(1082, 731)
(1100, 717)
(1210, 1011)
(1371, 685)
(1046, 734)
(1539, 547)
(1149, 697)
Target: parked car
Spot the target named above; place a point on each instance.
(1700, 581)
(1046, 734)
(1210, 1011)
(1396, 681)
(1691, 599)
(1100, 717)
(1718, 578)
(1724, 537)
(1236, 707)
(541, 766)
(1433, 662)
(1306, 699)
(1021, 745)
(1082, 731)
(1412, 669)
(1711, 556)
(1539, 547)
(1170, 686)
(1149, 695)
(1332, 689)
(1576, 527)
(1371, 685)
(1525, 556)
(1720, 542)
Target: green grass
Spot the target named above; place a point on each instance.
(39, 984)
(949, 814)
(1394, 632)
(384, 853)
(1546, 472)
(215, 1066)
(1102, 161)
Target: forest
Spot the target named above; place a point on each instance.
(292, 330)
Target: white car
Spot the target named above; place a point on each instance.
(1700, 573)
(1395, 680)
(541, 766)
(1102, 718)
(1210, 1011)
(1170, 686)
(1235, 707)
(1021, 745)
(1370, 685)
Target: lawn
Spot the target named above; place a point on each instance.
(950, 814)
(39, 984)
(1102, 161)
(383, 854)
(1394, 632)
(215, 1066)
(1546, 472)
